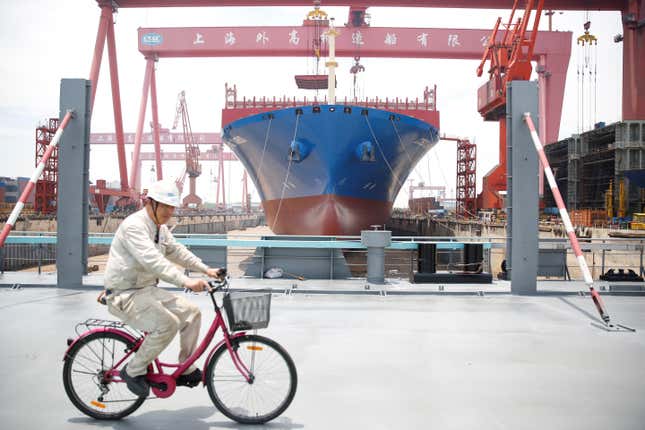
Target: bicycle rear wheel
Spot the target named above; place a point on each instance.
(88, 386)
(268, 394)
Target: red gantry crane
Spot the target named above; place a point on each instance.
(510, 60)
(193, 167)
(552, 51)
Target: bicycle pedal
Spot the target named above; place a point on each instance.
(158, 385)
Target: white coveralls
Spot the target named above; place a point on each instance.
(134, 267)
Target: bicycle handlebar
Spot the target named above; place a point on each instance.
(218, 284)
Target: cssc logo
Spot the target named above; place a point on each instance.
(152, 39)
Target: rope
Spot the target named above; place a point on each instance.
(595, 88)
(579, 95)
(405, 149)
(382, 153)
(286, 178)
(264, 148)
(581, 89)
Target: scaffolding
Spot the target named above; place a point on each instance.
(47, 187)
(466, 179)
(590, 167)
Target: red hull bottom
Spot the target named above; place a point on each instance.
(327, 214)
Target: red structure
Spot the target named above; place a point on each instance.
(633, 18)
(421, 205)
(424, 109)
(31, 185)
(106, 32)
(208, 155)
(166, 137)
(47, 186)
(552, 50)
(466, 201)
(100, 194)
(466, 179)
(510, 60)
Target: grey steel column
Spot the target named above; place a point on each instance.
(522, 185)
(73, 184)
(376, 241)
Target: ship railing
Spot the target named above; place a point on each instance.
(398, 104)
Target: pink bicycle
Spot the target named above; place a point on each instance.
(250, 378)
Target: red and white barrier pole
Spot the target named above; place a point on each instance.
(32, 181)
(565, 219)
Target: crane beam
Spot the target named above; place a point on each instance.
(291, 41)
(552, 50)
(476, 4)
(209, 155)
(164, 138)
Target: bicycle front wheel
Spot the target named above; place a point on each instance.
(272, 386)
(87, 383)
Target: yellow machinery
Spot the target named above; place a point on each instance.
(621, 198)
(609, 200)
(639, 222)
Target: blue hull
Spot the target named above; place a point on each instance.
(359, 154)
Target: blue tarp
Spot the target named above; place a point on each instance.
(636, 177)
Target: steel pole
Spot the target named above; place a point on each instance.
(155, 123)
(116, 106)
(564, 215)
(106, 16)
(142, 116)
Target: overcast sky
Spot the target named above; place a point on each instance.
(42, 42)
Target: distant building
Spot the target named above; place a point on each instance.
(11, 191)
(22, 184)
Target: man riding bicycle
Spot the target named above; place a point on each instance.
(143, 252)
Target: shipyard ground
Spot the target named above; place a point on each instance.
(445, 360)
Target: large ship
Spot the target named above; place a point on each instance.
(330, 169)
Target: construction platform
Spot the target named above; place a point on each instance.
(589, 165)
(387, 357)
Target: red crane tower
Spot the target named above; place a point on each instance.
(47, 186)
(510, 60)
(466, 201)
(193, 167)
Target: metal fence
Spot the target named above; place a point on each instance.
(251, 255)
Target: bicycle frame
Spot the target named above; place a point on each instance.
(169, 379)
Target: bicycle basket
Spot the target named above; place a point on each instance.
(247, 311)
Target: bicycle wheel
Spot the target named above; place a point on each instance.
(268, 394)
(86, 384)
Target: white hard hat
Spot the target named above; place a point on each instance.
(166, 192)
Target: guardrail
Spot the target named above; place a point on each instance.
(37, 250)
